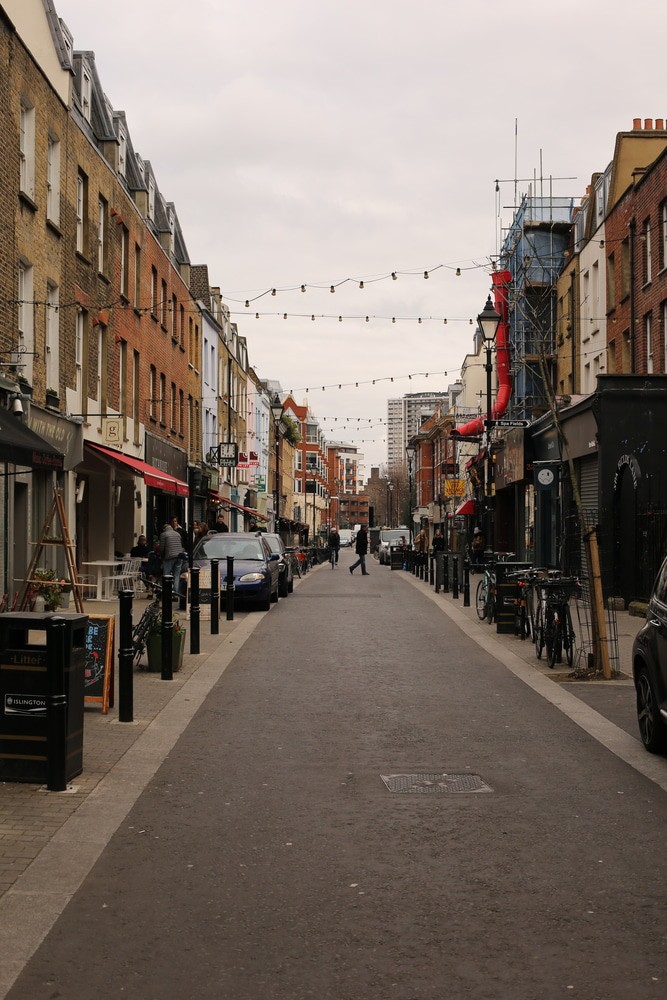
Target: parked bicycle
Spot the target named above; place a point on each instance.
(146, 623)
(485, 598)
(553, 629)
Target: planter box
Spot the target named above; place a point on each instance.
(154, 650)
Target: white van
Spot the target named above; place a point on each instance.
(346, 538)
(391, 538)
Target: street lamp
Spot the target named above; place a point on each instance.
(410, 452)
(489, 321)
(277, 411)
(388, 518)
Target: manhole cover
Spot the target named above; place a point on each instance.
(435, 782)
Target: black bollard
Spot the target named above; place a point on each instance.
(56, 706)
(455, 578)
(215, 598)
(167, 631)
(438, 572)
(230, 589)
(125, 658)
(445, 574)
(466, 582)
(431, 569)
(195, 610)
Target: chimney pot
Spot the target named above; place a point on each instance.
(636, 123)
(648, 124)
(660, 124)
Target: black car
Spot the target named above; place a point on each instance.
(649, 669)
(256, 568)
(277, 547)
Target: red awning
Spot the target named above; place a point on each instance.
(153, 477)
(238, 506)
(467, 507)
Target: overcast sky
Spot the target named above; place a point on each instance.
(310, 141)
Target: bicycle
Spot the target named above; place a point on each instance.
(525, 622)
(146, 623)
(485, 597)
(332, 556)
(556, 632)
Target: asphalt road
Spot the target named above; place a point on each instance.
(268, 859)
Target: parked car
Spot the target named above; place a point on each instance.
(256, 567)
(390, 538)
(649, 669)
(277, 546)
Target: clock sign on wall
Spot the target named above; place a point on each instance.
(546, 476)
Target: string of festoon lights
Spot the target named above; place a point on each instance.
(362, 317)
(370, 381)
(361, 283)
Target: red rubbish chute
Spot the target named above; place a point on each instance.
(501, 281)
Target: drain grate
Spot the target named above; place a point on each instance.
(429, 782)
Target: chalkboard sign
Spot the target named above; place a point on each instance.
(98, 671)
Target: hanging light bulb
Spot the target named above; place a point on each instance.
(470, 322)
(273, 291)
(445, 321)
(425, 274)
(340, 319)
(332, 289)
(367, 319)
(284, 315)
(361, 284)
(256, 315)
(313, 318)
(419, 320)
(247, 304)
(458, 272)
(394, 276)
(303, 288)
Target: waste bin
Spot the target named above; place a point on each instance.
(506, 596)
(396, 558)
(42, 666)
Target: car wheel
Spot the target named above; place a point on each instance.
(651, 726)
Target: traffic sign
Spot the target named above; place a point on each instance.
(506, 423)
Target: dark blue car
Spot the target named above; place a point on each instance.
(256, 568)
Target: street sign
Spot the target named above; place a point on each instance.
(506, 423)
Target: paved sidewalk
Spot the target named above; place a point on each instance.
(29, 815)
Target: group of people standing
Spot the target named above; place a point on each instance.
(169, 555)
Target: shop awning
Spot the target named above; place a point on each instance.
(153, 477)
(467, 507)
(238, 506)
(19, 445)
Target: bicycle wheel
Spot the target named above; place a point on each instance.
(481, 598)
(538, 632)
(557, 643)
(568, 637)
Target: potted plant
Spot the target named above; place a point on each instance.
(154, 645)
(53, 590)
(52, 398)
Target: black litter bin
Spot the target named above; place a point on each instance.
(41, 697)
(506, 596)
(396, 558)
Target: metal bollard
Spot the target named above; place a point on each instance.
(230, 589)
(56, 707)
(431, 569)
(455, 578)
(445, 575)
(195, 610)
(125, 658)
(167, 631)
(215, 598)
(466, 582)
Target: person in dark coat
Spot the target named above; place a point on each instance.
(361, 548)
(220, 524)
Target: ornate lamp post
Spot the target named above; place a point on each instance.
(488, 321)
(277, 411)
(410, 452)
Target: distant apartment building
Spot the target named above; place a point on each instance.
(406, 415)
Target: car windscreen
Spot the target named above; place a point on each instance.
(274, 544)
(392, 536)
(220, 546)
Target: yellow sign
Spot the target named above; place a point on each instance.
(455, 487)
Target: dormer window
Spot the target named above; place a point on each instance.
(122, 152)
(86, 91)
(151, 198)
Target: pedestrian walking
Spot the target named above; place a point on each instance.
(438, 541)
(421, 542)
(361, 548)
